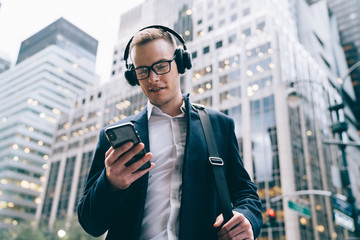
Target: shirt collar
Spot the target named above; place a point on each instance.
(152, 109)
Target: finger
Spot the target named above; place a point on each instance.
(219, 221)
(131, 153)
(133, 177)
(235, 220)
(114, 155)
(237, 231)
(109, 151)
(139, 174)
(136, 165)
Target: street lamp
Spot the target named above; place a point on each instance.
(355, 107)
(339, 127)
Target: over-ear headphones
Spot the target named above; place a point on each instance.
(182, 56)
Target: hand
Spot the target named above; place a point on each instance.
(238, 227)
(122, 177)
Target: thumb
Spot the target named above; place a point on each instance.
(219, 221)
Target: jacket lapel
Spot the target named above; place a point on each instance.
(141, 125)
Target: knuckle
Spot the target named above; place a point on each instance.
(125, 183)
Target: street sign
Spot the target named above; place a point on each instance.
(301, 209)
(344, 220)
(342, 205)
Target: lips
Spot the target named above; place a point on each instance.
(156, 89)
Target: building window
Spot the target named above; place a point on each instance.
(219, 44)
(206, 49)
(233, 17)
(232, 38)
(246, 12)
(210, 4)
(260, 26)
(194, 54)
(199, 21)
(210, 16)
(203, 87)
(325, 61)
(246, 32)
(210, 28)
(317, 37)
(222, 22)
(221, 10)
(233, 4)
(230, 95)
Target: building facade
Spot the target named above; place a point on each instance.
(33, 95)
(348, 22)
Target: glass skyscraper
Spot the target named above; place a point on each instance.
(54, 66)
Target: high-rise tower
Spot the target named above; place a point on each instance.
(54, 66)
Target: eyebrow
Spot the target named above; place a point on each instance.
(161, 60)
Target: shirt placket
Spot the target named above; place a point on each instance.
(175, 192)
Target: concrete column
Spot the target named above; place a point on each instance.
(292, 230)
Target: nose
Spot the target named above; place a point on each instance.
(153, 76)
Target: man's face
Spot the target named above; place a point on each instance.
(162, 90)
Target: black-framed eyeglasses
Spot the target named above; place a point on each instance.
(160, 68)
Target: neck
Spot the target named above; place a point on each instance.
(172, 108)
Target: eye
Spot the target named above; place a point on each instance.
(141, 71)
(161, 66)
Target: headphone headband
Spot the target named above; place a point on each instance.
(166, 29)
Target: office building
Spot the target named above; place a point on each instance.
(33, 95)
(74, 145)
(348, 22)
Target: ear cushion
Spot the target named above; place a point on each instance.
(183, 60)
(130, 76)
(179, 60)
(187, 59)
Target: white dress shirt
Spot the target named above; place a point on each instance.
(167, 137)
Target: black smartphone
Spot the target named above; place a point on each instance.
(123, 133)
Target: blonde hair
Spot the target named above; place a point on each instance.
(151, 34)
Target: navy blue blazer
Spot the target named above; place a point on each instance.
(120, 213)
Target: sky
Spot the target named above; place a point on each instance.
(20, 19)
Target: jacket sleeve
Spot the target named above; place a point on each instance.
(98, 204)
(243, 191)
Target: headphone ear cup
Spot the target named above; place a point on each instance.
(187, 59)
(179, 60)
(130, 76)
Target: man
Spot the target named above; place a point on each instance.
(176, 197)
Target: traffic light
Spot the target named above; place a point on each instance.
(271, 217)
